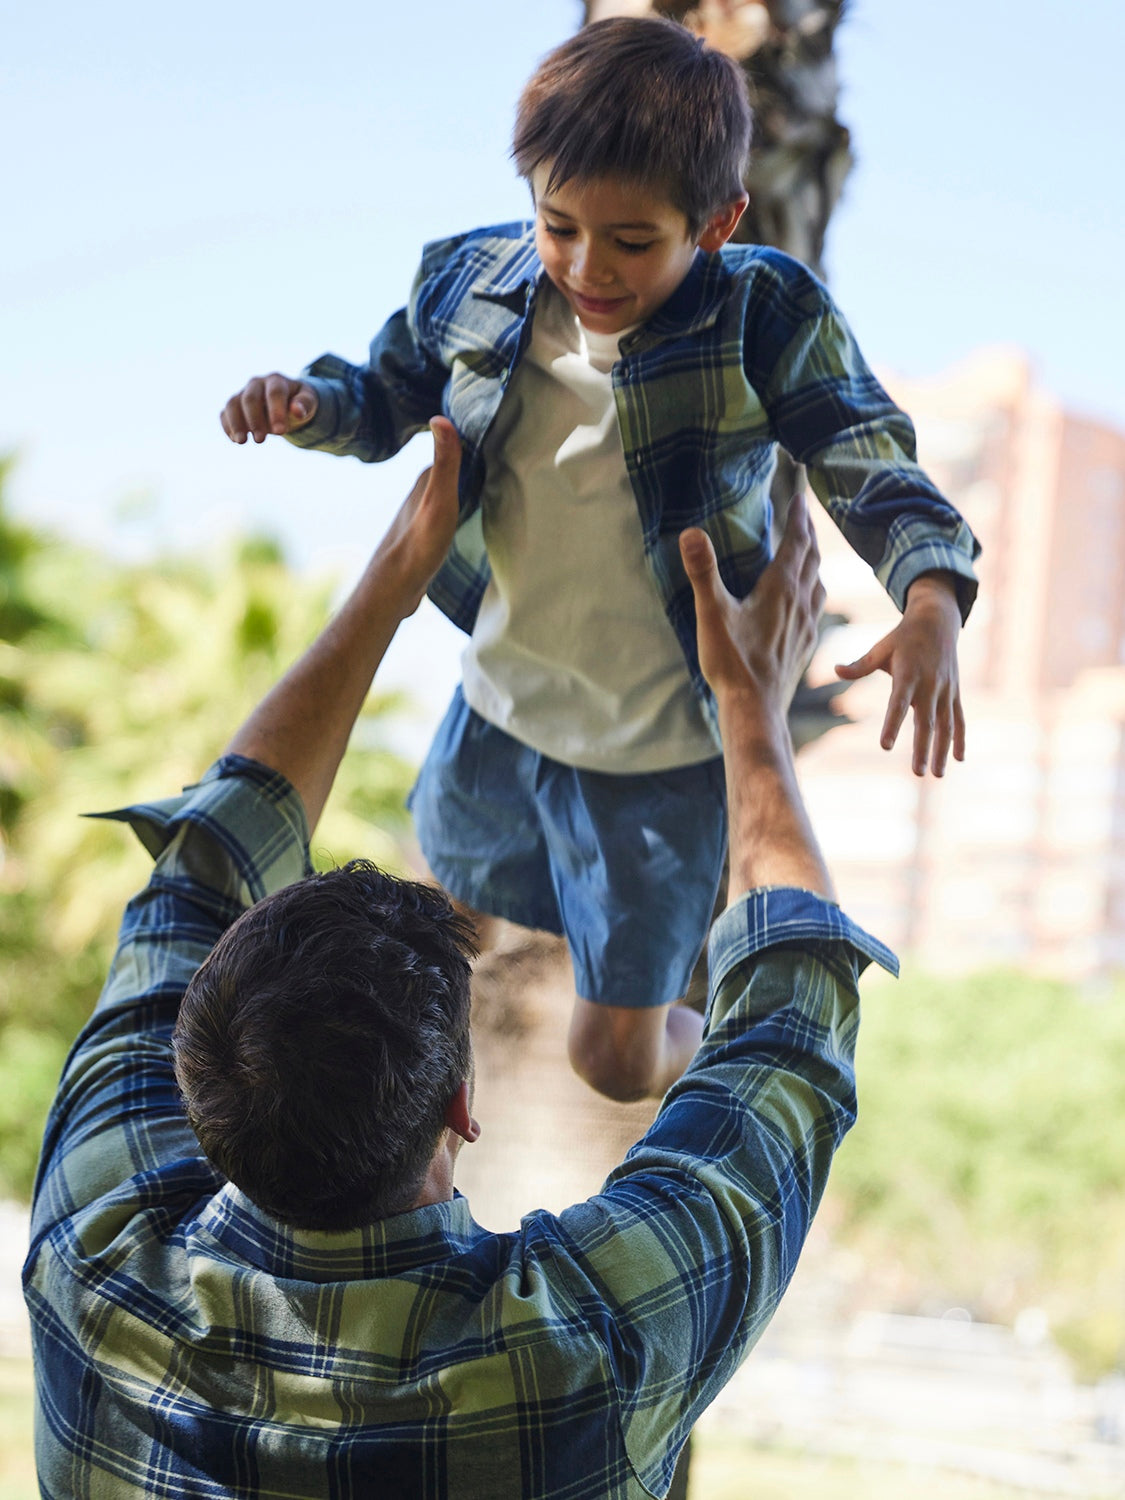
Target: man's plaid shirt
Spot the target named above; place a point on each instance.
(186, 1344)
(749, 352)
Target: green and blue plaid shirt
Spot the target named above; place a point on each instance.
(186, 1344)
(749, 352)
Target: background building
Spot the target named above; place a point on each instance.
(1018, 856)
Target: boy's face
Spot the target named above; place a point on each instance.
(615, 249)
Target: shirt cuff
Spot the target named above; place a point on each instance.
(936, 557)
(252, 812)
(327, 376)
(774, 915)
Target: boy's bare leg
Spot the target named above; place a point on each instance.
(627, 1053)
(487, 928)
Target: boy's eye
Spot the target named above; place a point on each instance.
(557, 231)
(634, 247)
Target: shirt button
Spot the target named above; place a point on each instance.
(638, 458)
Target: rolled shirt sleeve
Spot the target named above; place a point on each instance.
(686, 1253)
(219, 847)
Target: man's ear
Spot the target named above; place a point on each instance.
(722, 223)
(459, 1114)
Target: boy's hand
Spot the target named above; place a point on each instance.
(921, 656)
(268, 403)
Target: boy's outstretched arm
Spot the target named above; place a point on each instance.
(268, 403)
(920, 654)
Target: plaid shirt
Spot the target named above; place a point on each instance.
(749, 352)
(187, 1344)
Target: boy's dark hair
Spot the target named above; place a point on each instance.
(642, 99)
(319, 1045)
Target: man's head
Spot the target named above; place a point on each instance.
(634, 138)
(319, 1047)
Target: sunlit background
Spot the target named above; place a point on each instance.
(197, 194)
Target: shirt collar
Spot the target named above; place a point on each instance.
(518, 273)
(388, 1247)
(694, 305)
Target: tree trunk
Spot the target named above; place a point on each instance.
(801, 150)
(800, 158)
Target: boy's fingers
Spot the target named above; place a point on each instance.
(302, 406)
(896, 712)
(923, 735)
(863, 666)
(278, 391)
(254, 413)
(958, 730)
(231, 419)
(943, 736)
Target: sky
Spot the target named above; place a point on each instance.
(201, 193)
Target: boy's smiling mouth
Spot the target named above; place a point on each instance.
(597, 305)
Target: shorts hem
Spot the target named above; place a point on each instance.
(633, 1003)
(488, 905)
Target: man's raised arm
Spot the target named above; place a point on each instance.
(301, 727)
(752, 653)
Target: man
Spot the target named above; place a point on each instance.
(304, 1307)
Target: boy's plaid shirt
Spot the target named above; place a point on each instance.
(749, 352)
(186, 1344)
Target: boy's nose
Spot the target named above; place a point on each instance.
(590, 266)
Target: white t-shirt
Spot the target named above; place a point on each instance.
(572, 652)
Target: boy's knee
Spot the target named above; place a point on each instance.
(616, 1051)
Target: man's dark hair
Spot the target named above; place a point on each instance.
(642, 99)
(319, 1045)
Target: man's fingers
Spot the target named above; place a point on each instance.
(698, 556)
(447, 449)
(799, 554)
(958, 730)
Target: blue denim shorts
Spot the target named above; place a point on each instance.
(625, 867)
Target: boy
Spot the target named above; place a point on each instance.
(618, 372)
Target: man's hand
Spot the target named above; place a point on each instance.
(301, 727)
(420, 535)
(752, 652)
(762, 642)
(268, 403)
(920, 655)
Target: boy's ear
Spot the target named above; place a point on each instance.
(721, 225)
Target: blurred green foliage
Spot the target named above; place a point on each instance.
(119, 683)
(987, 1168)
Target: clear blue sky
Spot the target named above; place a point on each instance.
(196, 193)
